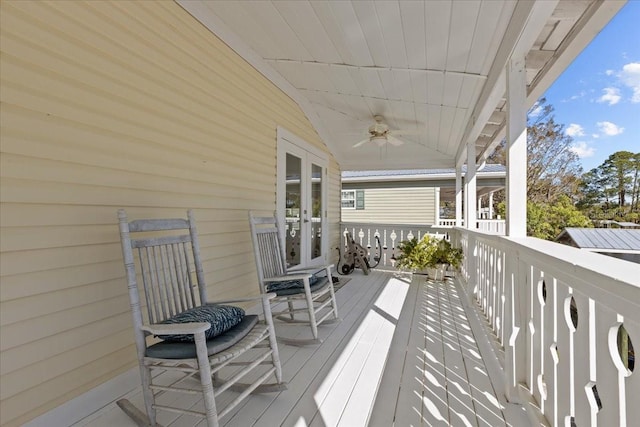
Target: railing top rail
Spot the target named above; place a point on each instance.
(383, 225)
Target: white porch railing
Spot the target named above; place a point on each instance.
(490, 225)
(389, 235)
(447, 222)
(557, 311)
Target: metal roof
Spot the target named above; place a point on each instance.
(604, 238)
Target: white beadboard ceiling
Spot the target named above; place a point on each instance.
(432, 69)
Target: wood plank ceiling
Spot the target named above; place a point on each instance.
(421, 65)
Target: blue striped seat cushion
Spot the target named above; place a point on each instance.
(221, 317)
(293, 287)
(290, 284)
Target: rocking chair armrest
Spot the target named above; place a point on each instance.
(177, 328)
(267, 296)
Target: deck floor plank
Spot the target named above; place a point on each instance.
(435, 408)
(403, 354)
(397, 363)
(330, 360)
(313, 363)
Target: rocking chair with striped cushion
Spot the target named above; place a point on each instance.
(308, 294)
(191, 341)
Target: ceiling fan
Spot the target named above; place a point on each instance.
(380, 134)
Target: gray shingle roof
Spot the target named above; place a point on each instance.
(604, 238)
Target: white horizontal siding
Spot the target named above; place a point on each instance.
(414, 205)
(108, 105)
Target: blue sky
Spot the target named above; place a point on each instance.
(598, 97)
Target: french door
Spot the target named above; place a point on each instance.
(301, 201)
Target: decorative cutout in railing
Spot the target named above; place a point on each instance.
(567, 321)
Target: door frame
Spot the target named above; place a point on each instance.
(287, 142)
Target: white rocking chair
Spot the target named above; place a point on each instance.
(168, 261)
(312, 287)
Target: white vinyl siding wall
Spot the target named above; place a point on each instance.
(414, 205)
(109, 105)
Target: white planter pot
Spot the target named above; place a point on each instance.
(437, 273)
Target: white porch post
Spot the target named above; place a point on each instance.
(470, 215)
(516, 191)
(516, 225)
(459, 196)
(491, 205)
(480, 207)
(437, 197)
(471, 221)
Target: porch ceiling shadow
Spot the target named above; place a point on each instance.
(432, 69)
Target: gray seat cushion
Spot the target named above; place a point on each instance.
(294, 287)
(187, 350)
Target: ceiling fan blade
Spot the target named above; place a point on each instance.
(358, 144)
(394, 141)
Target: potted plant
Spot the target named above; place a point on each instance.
(446, 255)
(429, 254)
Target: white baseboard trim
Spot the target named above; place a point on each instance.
(87, 403)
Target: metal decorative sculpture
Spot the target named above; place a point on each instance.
(356, 256)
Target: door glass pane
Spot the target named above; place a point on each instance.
(316, 211)
(292, 214)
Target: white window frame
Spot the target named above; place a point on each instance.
(353, 199)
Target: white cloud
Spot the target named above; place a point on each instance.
(574, 130)
(609, 129)
(609, 72)
(582, 150)
(579, 95)
(611, 95)
(595, 136)
(630, 76)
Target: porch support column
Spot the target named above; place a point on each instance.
(437, 197)
(480, 207)
(470, 223)
(516, 212)
(491, 205)
(470, 215)
(516, 191)
(459, 196)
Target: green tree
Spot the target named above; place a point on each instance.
(612, 190)
(553, 169)
(547, 220)
(618, 167)
(553, 176)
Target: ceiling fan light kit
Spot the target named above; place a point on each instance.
(380, 134)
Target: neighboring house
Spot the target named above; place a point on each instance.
(616, 242)
(411, 196)
(616, 224)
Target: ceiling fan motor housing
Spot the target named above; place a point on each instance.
(378, 130)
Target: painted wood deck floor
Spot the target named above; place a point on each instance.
(403, 354)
